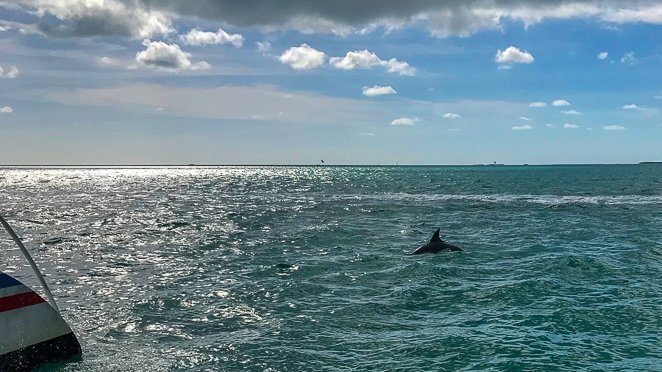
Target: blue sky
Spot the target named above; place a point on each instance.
(293, 82)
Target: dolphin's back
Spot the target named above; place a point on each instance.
(436, 245)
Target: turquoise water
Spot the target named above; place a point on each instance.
(306, 268)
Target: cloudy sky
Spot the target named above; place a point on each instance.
(350, 82)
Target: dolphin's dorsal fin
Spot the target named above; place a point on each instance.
(435, 237)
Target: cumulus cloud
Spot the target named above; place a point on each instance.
(6, 110)
(631, 106)
(521, 127)
(399, 67)
(629, 58)
(9, 73)
(198, 37)
(303, 57)
(170, 57)
(378, 90)
(614, 127)
(404, 121)
(560, 103)
(82, 18)
(451, 115)
(513, 55)
(603, 55)
(537, 104)
(524, 118)
(365, 59)
(570, 126)
(571, 112)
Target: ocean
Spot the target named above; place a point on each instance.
(307, 268)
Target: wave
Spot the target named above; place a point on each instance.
(547, 199)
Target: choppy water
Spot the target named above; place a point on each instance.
(305, 268)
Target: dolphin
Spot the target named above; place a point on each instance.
(436, 245)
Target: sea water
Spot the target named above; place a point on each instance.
(307, 268)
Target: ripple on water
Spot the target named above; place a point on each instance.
(295, 268)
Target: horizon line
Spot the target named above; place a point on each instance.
(312, 165)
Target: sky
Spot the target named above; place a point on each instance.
(349, 82)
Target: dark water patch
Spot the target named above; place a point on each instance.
(174, 225)
(55, 240)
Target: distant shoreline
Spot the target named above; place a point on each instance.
(308, 165)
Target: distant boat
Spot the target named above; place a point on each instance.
(33, 331)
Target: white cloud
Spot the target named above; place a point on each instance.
(571, 112)
(366, 134)
(537, 104)
(550, 125)
(521, 127)
(198, 37)
(365, 59)
(570, 126)
(302, 57)
(399, 67)
(358, 59)
(404, 121)
(560, 103)
(378, 90)
(6, 110)
(83, 18)
(603, 55)
(629, 58)
(109, 62)
(11, 73)
(22, 28)
(168, 57)
(451, 115)
(524, 118)
(614, 127)
(263, 47)
(631, 106)
(513, 55)
(634, 14)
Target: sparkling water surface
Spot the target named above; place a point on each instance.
(306, 268)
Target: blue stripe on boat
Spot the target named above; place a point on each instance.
(7, 281)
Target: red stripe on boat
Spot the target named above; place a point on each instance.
(19, 300)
